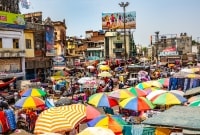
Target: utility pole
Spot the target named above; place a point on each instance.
(124, 5)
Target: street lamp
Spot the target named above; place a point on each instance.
(124, 5)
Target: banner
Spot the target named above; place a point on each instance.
(49, 36)
(116, 20)
(12, 20)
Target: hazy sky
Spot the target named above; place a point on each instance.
(166, 16)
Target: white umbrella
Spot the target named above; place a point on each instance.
(96, 131)
(84, 79)
(90, 67)
(104, 74)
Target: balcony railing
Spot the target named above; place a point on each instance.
(35, 26)
(118, 50)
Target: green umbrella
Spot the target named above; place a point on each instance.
(195, 103)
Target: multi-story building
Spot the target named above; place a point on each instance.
(114, 45)
(95, 45)
(12, 51)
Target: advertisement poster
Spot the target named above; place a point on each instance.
(116, 20)
(49, 36)
(11, 20)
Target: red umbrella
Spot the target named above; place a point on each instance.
(91, 112)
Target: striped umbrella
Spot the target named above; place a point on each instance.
(60, 119)
(136, 104)
(194, 98)
(137, 92)
(30, 102)
(35, 92)
(120, 94)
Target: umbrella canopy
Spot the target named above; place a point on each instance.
(177, 92)
(84, 80)
(104, 67)
(195, 103)
(90, 67)
(168, 98)
(143, 85)
(30, 102)
(153, 94)
(96, 131)
(164, 81)
(63, 101)
(155, 84)
(91, 112)
(113, 122)
(120, 94)
(104, 74)
(137, 92)
(136, 104)
(59, 119)
(151, 89)
(102, 100)
(192, 76)
(193, 98)
(35, 92)
(60, 73)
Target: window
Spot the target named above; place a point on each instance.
(0, 42)
(28, 43)
(15, 43)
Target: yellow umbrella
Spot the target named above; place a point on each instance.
(59, 119)
(96, 131)
(104, 67)
(104, 74)
(155, 84)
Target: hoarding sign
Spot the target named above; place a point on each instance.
(12, 20)
(59, 61)
(116, 20)
(49, 36)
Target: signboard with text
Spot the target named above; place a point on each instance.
(59, 61)
(11, 20)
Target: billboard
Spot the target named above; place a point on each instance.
(12, 20)
(116, 20)
(49, 37)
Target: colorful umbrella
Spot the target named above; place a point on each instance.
(35, 92)
(168, 98)
(192, 76)
(136, 104)
(59, 119)
(153, 94)
(91, 112)
(120, 94)
(60, 73)
(104, 74)
(113, 122)
(137, 92)
(151, 89)
(104, 67)
(155, 84)
(102, 100)
(30, 102)
(195, 103)
(96, 131)
(164, 81)
(193, 98)
(143, 85)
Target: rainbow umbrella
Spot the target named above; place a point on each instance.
(113, 122)
(60, 73)
(35, 92)
(164, 81)
(195, 103)
(120, 94)
(136, 104)
(153, 94)
(143, 85)
(193, 98)
(30, 102)
(155, 84)
(137, 92)
(102, 100)
(168, 98)
(151, 89)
